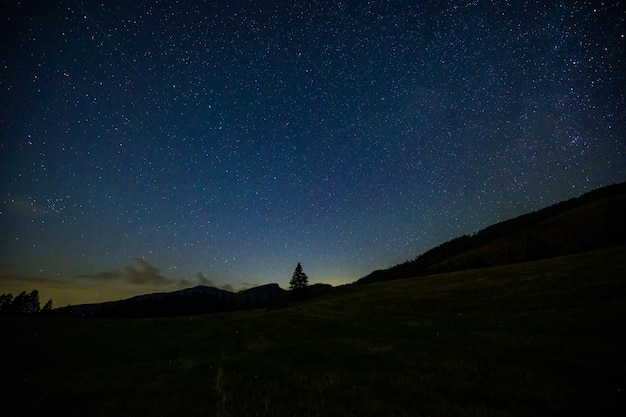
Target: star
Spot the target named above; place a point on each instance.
(234, 141)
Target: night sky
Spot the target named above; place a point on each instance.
(154, 145)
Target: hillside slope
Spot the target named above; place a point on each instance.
(592, 221)
(539, 338)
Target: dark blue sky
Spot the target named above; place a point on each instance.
(151, 145)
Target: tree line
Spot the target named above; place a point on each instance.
(23, 304)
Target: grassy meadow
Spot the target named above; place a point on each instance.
(544, 338)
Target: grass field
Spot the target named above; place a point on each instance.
(544, 338)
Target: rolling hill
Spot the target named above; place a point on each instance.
(592, 221)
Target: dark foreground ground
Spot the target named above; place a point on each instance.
(538, 339)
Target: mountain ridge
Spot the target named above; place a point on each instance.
(591, 221)
(187, 301)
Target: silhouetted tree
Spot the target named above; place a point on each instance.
(19, 304)
(299, 280)
(5, 303)
(47, 307)
(23, 303)
(32, 303)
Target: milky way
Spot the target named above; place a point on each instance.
(200, 142)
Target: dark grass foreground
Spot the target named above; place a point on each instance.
(545, 338)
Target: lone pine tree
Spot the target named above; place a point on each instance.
(299, 280)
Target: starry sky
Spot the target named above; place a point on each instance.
(154, 145)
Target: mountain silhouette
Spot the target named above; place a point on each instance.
(197, 300)
(594, 220)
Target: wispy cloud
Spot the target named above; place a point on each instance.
(144, 274)
(185, 283)
(247, 285)
(102, 276)
(203, 280)
(14, 283)
(27, 280)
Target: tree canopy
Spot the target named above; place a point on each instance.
(23, 303)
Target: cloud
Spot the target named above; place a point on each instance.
(14, 278)
(56, 289)
(203, 280)
(102, 276)
(247, 285)
(185, 283)
(144, 274)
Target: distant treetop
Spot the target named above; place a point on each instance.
(299, 279)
